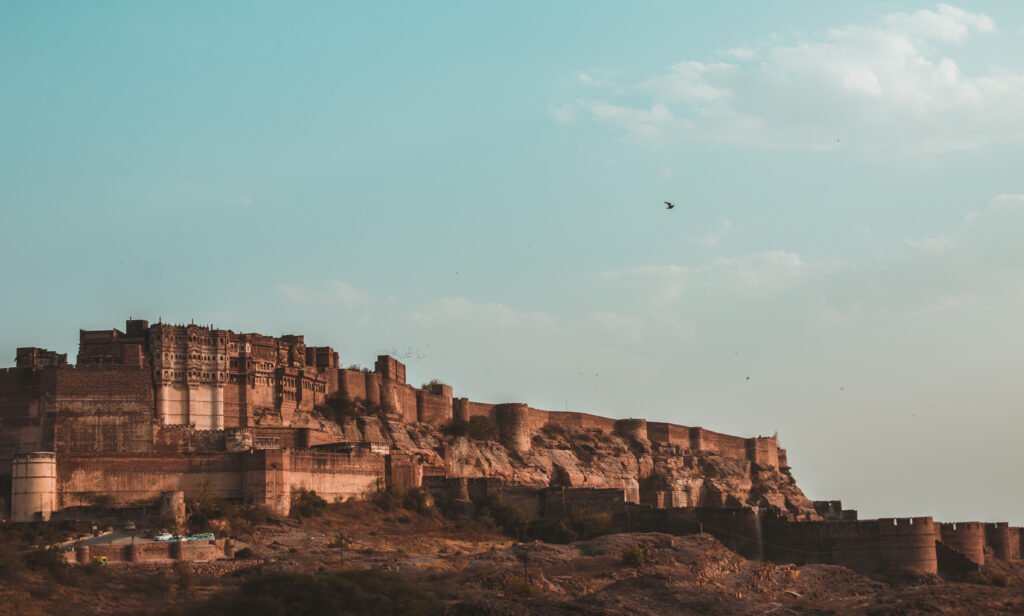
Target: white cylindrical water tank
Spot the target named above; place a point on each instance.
(33, 486)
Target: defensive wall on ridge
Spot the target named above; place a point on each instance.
(863, 545)
(187, 408)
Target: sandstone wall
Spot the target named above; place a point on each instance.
(337, 476)
(1004, 541)
(103, 410)
(186, 439)
(26, 410)
(399, 398)
(434, 405)
(352, 384)
(671, 434)
(156, 551)
(968, 538)
(583, 421)
(131, 478)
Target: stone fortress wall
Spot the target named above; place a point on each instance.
(164, 408)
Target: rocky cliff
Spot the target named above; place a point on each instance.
(667, 474)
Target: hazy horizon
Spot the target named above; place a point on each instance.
(478, 191)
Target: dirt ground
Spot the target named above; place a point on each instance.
(474, 569)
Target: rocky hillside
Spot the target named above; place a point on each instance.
(589, 458)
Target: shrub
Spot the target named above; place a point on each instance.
(50, 560)
(387, 499)
(307, 503)
(345, 592)
(989, 579)
(517, 587)
(574, 525)
(339, 408)
(510, 519)
(244, 554)
(482, 428)
(419, 500)
(633, 556)
(457, 427)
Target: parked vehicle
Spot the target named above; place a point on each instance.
(163, 537)
(201, 537)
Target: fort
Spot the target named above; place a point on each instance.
(160, 409)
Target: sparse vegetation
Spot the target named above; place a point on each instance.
(339, 408)
(359, 591)
(987, 579)
(510, 519)
(387, 498)
(574, 525)
(456, 428)
(633, 556)
(205, 512)
(307, 504)
(50, 560)
(517, 586)
(482, 428)
(418, 500)
(478, 428)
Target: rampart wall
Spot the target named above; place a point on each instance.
(26, 411)
(1003, 540)
(103, 410)
(968, 538)
(129, 479)
(434, 404)
(336, 476)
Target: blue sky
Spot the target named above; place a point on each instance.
(477, 189)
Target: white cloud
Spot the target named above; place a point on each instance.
(564, 114)
(715, 237)
(349, 295)
(946, 23)
(690, 82)
(295, 294)
(748, 276)
(743, 54)
(464, 312)
(332, 292)
(646, 124)
(932, 246)
(891, 85)
(1008, 202)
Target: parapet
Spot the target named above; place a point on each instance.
(390, 369)
(966, 537)
(434, 404)
(1000, 538)
(909, 543)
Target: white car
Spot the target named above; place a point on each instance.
(163, 537)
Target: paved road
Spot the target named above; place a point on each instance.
(118, 537)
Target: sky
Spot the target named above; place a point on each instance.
(477, 189)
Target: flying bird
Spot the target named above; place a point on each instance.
(668, 206)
